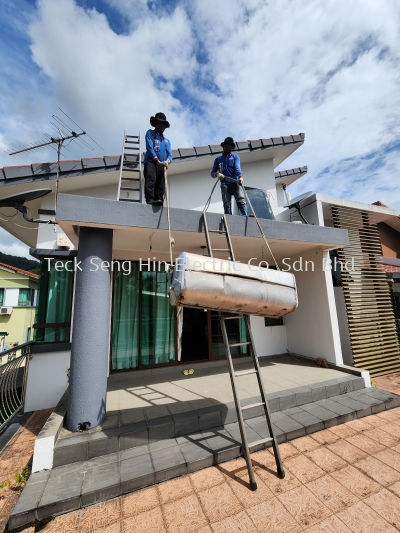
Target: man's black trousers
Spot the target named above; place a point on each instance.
(154, 182)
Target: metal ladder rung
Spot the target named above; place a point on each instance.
(129, 189)
(245, 372)
(251, 406)
(216, 231)
(220, 250)
(239, 344)
(130, 170)
(258, 442)
(131, 142)
(131, 136)
(128, 200)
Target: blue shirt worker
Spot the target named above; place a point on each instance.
(225, 166)
(156, 160)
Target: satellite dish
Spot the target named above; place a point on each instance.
(23, 197)
(295, 203)
(17, 201)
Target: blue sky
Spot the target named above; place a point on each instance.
(248, 69)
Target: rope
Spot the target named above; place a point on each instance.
(255, 216)
(170, 239)
(260, 228)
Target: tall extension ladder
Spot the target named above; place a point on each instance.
(130, 183)
(246, 446)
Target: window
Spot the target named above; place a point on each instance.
(143, 321)
(273, 321)
(26, 297)
(259, 201)
(53, 313)
(1, 296)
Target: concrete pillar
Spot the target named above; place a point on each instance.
(91, 330)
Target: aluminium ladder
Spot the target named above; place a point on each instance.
(130, 183)
(246, 446)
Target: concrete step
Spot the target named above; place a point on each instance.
(117, 435)
(72, 486)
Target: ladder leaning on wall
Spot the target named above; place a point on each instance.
(130, 183)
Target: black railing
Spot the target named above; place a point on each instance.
(13, 373)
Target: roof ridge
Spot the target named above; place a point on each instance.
(20, 270)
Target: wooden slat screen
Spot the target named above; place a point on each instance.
(370, 314)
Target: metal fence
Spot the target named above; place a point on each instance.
(13, 372)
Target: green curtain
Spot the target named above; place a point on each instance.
(24, 297)
(125, 319)
(54, 304)
(1, 296)
(158, 320)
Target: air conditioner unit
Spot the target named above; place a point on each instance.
(6, 310)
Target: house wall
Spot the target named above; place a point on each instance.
(21, 318)
(47, 379)
(270, 340)
(313, 329)
(259, 174)
(390, 240)
(343, 326)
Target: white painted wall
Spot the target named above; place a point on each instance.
(313, 329)
(270, 340)
(47, 379)
(191, 191)
(343, 326)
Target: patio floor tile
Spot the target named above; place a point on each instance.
(326, 459)
(272, 516)
(380, 472)
(330, 525)
(346, 451)
(305, 444)
(147, 522)
(219, 502)
(355, 481)
(239, 523)
(306, 508)
(304, 469)
(184, 515)
(334, 495)
(386, 505)
(174, 489)
(207, 478)
(137, 502)
(362, 519)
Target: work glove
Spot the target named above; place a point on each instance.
(166, 163)
(220, 176)
(240, 180)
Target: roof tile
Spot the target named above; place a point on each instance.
(255, 144)
(267, 142)
(17, 172)
(25, 272)
(297, 138)
(277, 140)
(202, 150)
(112, 160)
(242, 145)
(68, 166)
(96, 162)
(287, 139)
(187, 152)
(44, 168)
(215, 148)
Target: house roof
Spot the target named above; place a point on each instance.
(19, 271)
(40, 171)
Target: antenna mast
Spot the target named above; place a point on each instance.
(65, 135)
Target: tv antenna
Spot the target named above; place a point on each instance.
(65, 135)
(295, 203)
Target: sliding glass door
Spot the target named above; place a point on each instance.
(143, 323)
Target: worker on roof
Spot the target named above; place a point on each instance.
(225, 166)
(157, 158)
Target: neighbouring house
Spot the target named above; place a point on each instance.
(18, 295)
(103, 305)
